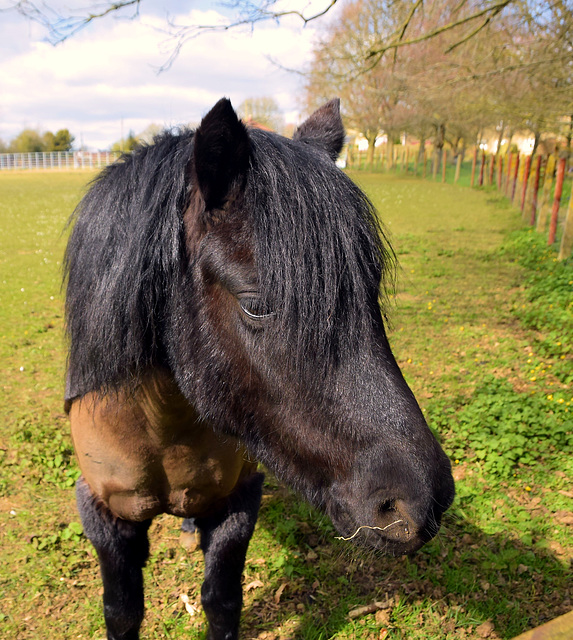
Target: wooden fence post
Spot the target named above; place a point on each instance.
(481, 168)
(508, 175)
(458, 167)
(491, 168)
(557, 200)
(567, 240)
(547, 184)
(535, 189)
(499, 171)
(425, 169)
(474, 162)
(444, 163)
(525, 179)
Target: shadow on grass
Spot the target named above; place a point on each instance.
(460, 580)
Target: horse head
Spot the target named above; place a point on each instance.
(276, 333)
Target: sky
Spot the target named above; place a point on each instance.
(103, 82)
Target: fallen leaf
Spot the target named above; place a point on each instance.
(485, 630)
(191, 608)
(564, 517)
(255, 584)
(279, 592)
(382, 617)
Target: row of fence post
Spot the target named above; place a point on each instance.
(534, 184)
(520, 180)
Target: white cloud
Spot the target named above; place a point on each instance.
(105, 76)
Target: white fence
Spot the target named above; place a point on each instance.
(63, 160)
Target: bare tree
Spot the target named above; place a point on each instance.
(514, 74)
(263, 111)
(414, 22)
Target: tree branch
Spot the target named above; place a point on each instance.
(493, 10)
(62, 27)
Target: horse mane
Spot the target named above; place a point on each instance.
(321, 251)
(319, 248)
(122, 263)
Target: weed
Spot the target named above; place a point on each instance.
(548, 305)
(503, 429)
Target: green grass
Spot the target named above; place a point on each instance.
(482, 330)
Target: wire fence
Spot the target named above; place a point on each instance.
(56, 160)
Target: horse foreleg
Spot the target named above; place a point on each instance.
(122, 549)
(224, 541)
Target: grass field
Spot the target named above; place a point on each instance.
(483, 329)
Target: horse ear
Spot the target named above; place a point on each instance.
(221, 153)
(324, 129)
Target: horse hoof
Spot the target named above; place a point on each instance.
(189, 540)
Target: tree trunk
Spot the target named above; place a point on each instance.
(500, 138)
(422, 147)
(509, 141)
(370, 153)
(537, 138)
(390, 152)
(456, 148)
(438, 146)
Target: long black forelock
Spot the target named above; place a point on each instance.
(323, 260)
(319, 250)
(122, 263)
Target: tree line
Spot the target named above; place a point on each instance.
(261, 111)
(32, 140)
(508, 75)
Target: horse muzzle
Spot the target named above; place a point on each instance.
(387, 521)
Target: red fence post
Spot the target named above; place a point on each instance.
(491, 167)
(556, 200)
(525, 179)
(567, 238)
(535, 190)
(515, 172)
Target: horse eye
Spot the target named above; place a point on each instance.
(255, 309)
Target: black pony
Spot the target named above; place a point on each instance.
(223, 297)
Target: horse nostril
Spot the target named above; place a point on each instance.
(387, 505)
(392, 522)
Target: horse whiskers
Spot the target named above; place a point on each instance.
(365, 526)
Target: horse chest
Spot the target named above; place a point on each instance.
(149, 453)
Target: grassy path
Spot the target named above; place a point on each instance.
(495, 389)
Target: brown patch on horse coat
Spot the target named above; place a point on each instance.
(148, 452)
